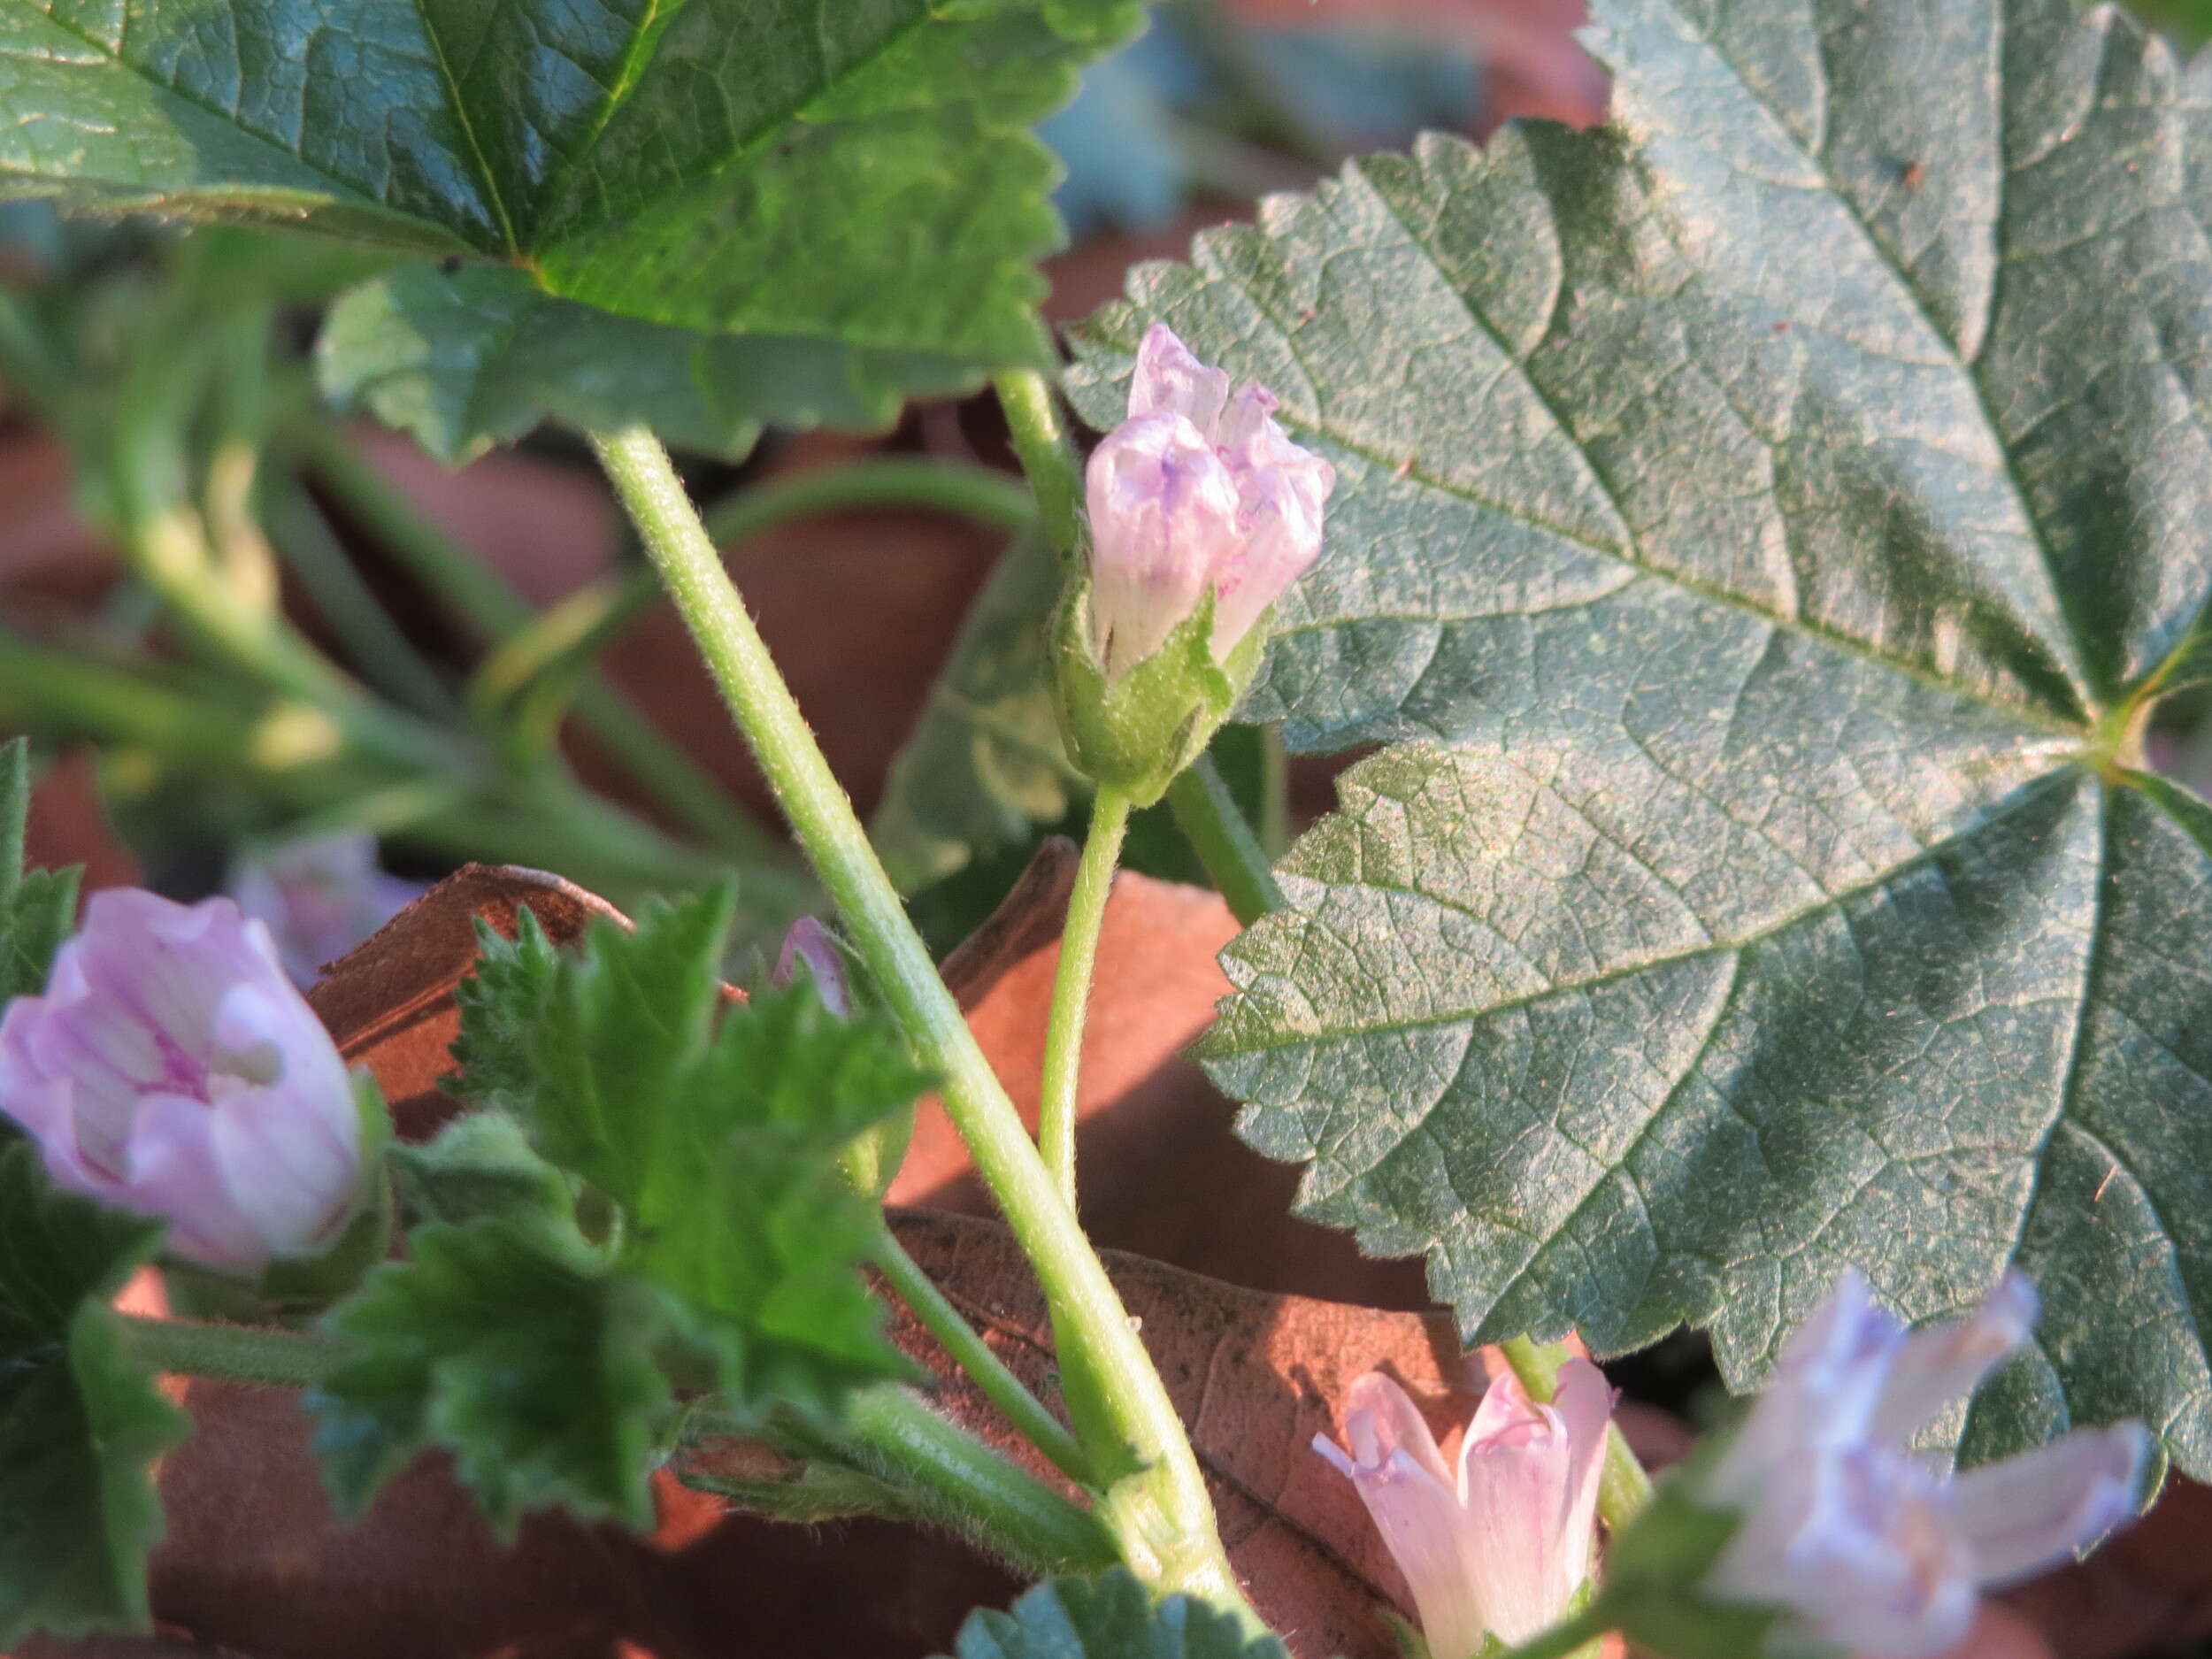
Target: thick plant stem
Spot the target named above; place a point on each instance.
(1208, 816)
(960, 1482)
(969, 1351)
(1624, 1487)
(1072, 988)
(1163, 1516)
(243, 1353)
(1032, 421)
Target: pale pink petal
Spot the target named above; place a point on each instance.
(1823, 1392)
(175, 1174)
(1947, 1361)
(810, 943)
(1584, 1400)
(1514, 1488)
(2042, 1508)
(1380, 1417)
(1169, 380)
(1859, 1546)
(1163, 517)
(1282, 492)
(1422, 1526)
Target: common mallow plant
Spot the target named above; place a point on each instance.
(171, 1068)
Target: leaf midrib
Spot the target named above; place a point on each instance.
(1968, 370)
(1630, 555)
(2016, 800)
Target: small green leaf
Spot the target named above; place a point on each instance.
(36, 906)
(1111, 1616)
(481, 1166)
(851, 186)
(1762, 524)
(717, 1131)
(80, 1422)
(514, 1346)
(985, 764)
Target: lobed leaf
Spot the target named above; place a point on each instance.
(1765, 525)
(80, 1422)
(849, 187)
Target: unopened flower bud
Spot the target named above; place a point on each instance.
(1203, 512)
(171, 1068)
(809, 942)
(1501, 1548)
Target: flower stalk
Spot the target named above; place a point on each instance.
(1164, 1521)
(1057, 1108)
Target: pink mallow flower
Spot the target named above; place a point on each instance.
(1502, 1545)
(171, 1068)
(319, 896)
(1868, 1545)
(1195, 489)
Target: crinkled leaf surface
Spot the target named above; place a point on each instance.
(1760, 523)
(850, 180)
(1108, 1617)
(717, 1129)
(80, 1420)
(511, 1342)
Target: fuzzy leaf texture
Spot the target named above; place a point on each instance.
(80, 1422)
(717, 1130)
(1108, 1617)
(511, 1342)
(847, 184)
(1763, 523)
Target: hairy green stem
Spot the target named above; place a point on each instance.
(1623, 1488)
(1208, 816)
(1056, 1109)
(1032, 421)
(1161, 1512)
(969, 1351)
(185, 1347)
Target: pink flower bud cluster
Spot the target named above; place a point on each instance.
(1870, 1547)
(1195, 490)
(172, 1068)
(1502, 1545)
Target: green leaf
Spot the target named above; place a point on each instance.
(80, 1422)
(985, 764)
(1763, 525)
(851, 186)
(481, 1166)
(517, 1348)
(1109, 1617)
(719, 1138)
(1655, 1568)
(478, 357)
(36, 906)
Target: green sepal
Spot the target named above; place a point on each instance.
(1135, 732)
(1656, 1566)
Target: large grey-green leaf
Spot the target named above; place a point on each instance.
(1763, 522)
(839, 176)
